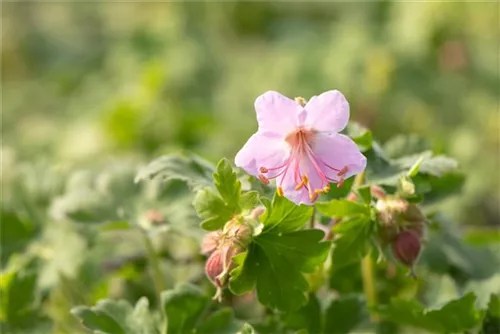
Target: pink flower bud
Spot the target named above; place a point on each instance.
(214, 267)
(210, 242)
(406, 247)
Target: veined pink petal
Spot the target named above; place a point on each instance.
(337, 151)
(327, 112)
(307, 193)
(276, 113)
(262, 149)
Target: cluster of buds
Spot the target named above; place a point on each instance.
(402, 226)
(221, 246)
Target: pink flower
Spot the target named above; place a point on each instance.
(300, 146)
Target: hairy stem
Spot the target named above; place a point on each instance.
(367, 265)
(313, 216)
(369, 283)
(156, 274)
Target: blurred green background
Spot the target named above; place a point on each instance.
(96, 84)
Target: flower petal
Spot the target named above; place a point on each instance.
(276, 113)
(337, 151)
(327, 112)
(262, 149)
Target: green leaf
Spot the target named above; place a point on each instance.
(432, 165)
(455, 316)
(340, 208)
(352, 244)
(402, 145)
(249, 200)
(18, 291)
(491, 322)
(16, 232)
(97, 321)
(217, 209)
(307, 317)
(274, 264)
(118, 317)
(285, 216)
(445, 252)
(360, 135)
(336, 192)
(183, 307)
(343, 315)
(210, 206)
(191, 169)
(219, 322)
(228, 185)
(364, 141)
(365, 194)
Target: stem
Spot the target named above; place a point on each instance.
(156, 273)
(369, 283)
(313, 216)
(367, 265)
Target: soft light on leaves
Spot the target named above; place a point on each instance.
(340, 208)
(193, 170)
(15, 233)
(455, 316)
(344, 314)
(118, 317)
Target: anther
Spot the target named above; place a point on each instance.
(314, 196)
(279, 191)
(263, 179)
(342, 171)
(301, 101)
(340, 183)
(263, 170)
(326, 188)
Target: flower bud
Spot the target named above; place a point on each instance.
(210, 242)
(240, 232)
(406, 248)
(214, 267)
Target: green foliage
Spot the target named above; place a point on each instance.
(278, 257)
(191, 169)
(19, 294)
(118, 317)
(344, 314)
(455, 316)
(186, 308)
(217, 209)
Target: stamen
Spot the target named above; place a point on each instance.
(263, 169)
(342, 171)
(340, 183)
(313, 197)
(263, 179)
(326, 188)
(279, 191)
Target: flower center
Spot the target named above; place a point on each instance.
(301, 143)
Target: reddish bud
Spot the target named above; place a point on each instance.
(214, 267)
(406, 247)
